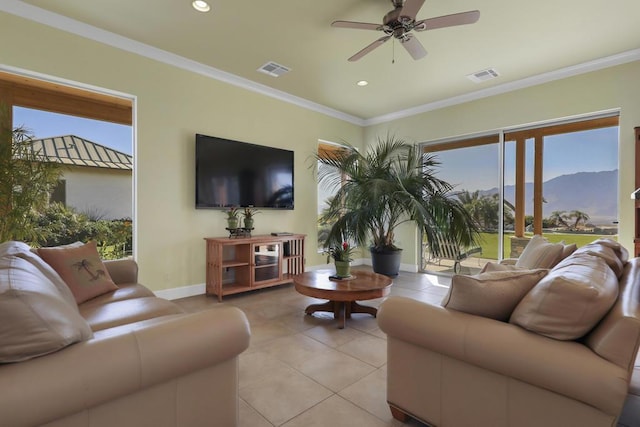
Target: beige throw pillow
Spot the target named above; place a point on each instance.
(570, 300)
(35, 319)
(81, 268)
(491, 294)
(604, 249)
(539, 253)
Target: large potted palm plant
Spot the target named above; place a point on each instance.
(390, 184)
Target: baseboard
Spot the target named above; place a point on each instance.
(199, 289)
(181, 292)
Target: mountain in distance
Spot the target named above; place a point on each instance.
(591, 192)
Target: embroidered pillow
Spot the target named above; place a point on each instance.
(81, 268)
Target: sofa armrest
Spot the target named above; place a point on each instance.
(90, 373)
(122, 270)
(565, 367)
(509, 261)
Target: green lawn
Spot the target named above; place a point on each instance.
(489, 242)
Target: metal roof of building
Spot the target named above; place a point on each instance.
(73, 150)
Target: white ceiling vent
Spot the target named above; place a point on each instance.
(484, 75)
(273, 69)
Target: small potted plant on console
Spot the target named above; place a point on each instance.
(232, 217)
(248, 214)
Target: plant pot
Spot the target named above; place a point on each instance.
(387, 262)
(232, 223)
(248, 223)
(343, 268)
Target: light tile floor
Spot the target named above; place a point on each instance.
(302, 370)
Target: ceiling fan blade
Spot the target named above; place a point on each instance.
(411, 8)
(413, 46)
(356, 25)
(461, 18)
(369, 48)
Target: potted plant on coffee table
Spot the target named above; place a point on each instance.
(342, 256)
(392, 183)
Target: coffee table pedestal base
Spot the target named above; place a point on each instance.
(341, 310)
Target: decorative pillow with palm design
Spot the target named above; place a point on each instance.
(81, 268)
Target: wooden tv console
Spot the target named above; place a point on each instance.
(243, 264)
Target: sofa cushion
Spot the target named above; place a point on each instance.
(124, 292)
(24, 251)
(128, 311)
(570, 300)
(35, 319)
(610, 251)
(539, 253)
(492, 294)
(499, 266)
(567, 250)
(81, 268)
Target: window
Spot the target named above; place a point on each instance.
(324, 194)
(559, 180)
(97, 179)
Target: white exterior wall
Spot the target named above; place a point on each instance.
(105, 192)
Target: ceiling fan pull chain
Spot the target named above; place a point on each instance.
(393, 51)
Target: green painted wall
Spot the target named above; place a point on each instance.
(172, 105)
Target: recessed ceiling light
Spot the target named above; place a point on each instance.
(362, 83)
(201, 6)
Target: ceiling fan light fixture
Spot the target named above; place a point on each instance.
(362, 83)
(201, 6)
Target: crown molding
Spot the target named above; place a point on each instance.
(63, 23)
(45, 17)
(574, 70)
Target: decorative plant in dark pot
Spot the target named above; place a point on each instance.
(390, 184)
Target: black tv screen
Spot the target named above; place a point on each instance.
(233, 173)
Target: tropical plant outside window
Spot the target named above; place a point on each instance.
(558, 180)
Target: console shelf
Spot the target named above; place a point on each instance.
(236, 265)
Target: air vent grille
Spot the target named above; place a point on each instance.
(273, 69)
(484, 75)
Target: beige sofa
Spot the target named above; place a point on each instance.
(447, 367)
(143, 362)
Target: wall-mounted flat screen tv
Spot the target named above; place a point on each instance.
(233, 173)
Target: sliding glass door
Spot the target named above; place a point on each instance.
(558, 180)
(472, 166)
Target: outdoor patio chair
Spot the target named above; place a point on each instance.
(446, 248)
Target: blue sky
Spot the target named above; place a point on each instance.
(43, 124)
(477, 168)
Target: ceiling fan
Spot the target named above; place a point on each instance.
(401, 21)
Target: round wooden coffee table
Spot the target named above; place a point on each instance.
(342, 294)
